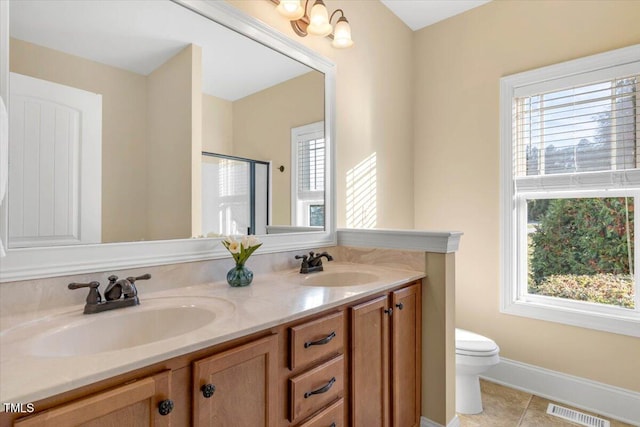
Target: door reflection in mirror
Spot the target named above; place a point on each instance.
(235, 195)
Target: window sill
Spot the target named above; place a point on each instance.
(623, 323)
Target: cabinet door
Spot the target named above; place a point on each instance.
(406, 357)
(240, 384)
(133, 404)
(370, 363)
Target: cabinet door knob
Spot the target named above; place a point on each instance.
(389, 311)
(208, 390)
(322, 389)
(165, 407)
(323, 341)
(400, 306)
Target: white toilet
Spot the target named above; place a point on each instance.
(474, 355)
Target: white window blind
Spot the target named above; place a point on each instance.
(233, 178)
(584, 128)
(311, 156)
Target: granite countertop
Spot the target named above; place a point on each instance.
(30, 371)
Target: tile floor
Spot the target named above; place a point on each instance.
(506, 407)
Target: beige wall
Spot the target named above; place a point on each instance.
(124, 111)
(438, 338)
(217, 125)
(373, 108)
(262, 125)
(458, 66)
(196, 140)
(171, 98)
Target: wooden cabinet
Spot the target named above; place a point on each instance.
(385, 360)
(406, 356)
(135, 404)
(370, 363)
(237, 387)
(332, 415)
(356, 364)
(317, 366)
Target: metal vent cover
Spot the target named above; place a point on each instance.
(576, 416)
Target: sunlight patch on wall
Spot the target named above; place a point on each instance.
(361, 194)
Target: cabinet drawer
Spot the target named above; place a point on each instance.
(313, 389)
(313, 341)
(333, 416)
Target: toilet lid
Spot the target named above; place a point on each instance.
(469, 343)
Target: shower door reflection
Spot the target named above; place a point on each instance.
(235, 195)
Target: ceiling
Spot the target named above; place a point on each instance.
(418, 14)
(140, 35)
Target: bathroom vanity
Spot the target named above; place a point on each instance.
(285, 352)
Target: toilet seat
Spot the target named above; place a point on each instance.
(475, 345)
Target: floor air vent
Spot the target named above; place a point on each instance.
(576, 417)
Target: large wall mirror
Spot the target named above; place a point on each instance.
(154, 123)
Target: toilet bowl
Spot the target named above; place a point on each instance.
(474, 355)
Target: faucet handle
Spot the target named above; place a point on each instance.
(129, 287)
(92, 285)
(302, 257)
(143, 277)
(94, 295)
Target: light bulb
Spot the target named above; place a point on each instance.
(342, 34)
(290, 9)
(319, 20)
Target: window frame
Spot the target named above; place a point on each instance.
(300, 215)
(514, 298)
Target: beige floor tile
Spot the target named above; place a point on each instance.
(537, 416)
(503, 407)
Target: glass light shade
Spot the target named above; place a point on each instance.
(290, 9)
(342, 34)
(319, 20)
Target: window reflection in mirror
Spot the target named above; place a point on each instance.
(112, 105)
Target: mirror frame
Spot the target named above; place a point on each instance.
(33, 263)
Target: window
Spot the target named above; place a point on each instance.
(570, 141)
(307, 177)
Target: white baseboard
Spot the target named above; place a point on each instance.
(603, 399)
(426, 422)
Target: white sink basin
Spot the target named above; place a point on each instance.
(120, 329)
(339, 278)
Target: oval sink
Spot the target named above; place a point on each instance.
(339, 278)
(122, 329)
(120, 332)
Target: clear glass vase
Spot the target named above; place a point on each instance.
(239, 276)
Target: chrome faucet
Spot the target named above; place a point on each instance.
(116, 289)
(312, 262)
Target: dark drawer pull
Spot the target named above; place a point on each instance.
(322, 389)
(323, 341)
(333, 425)
(400, 306)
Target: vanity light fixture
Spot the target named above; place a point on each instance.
(317, 22)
